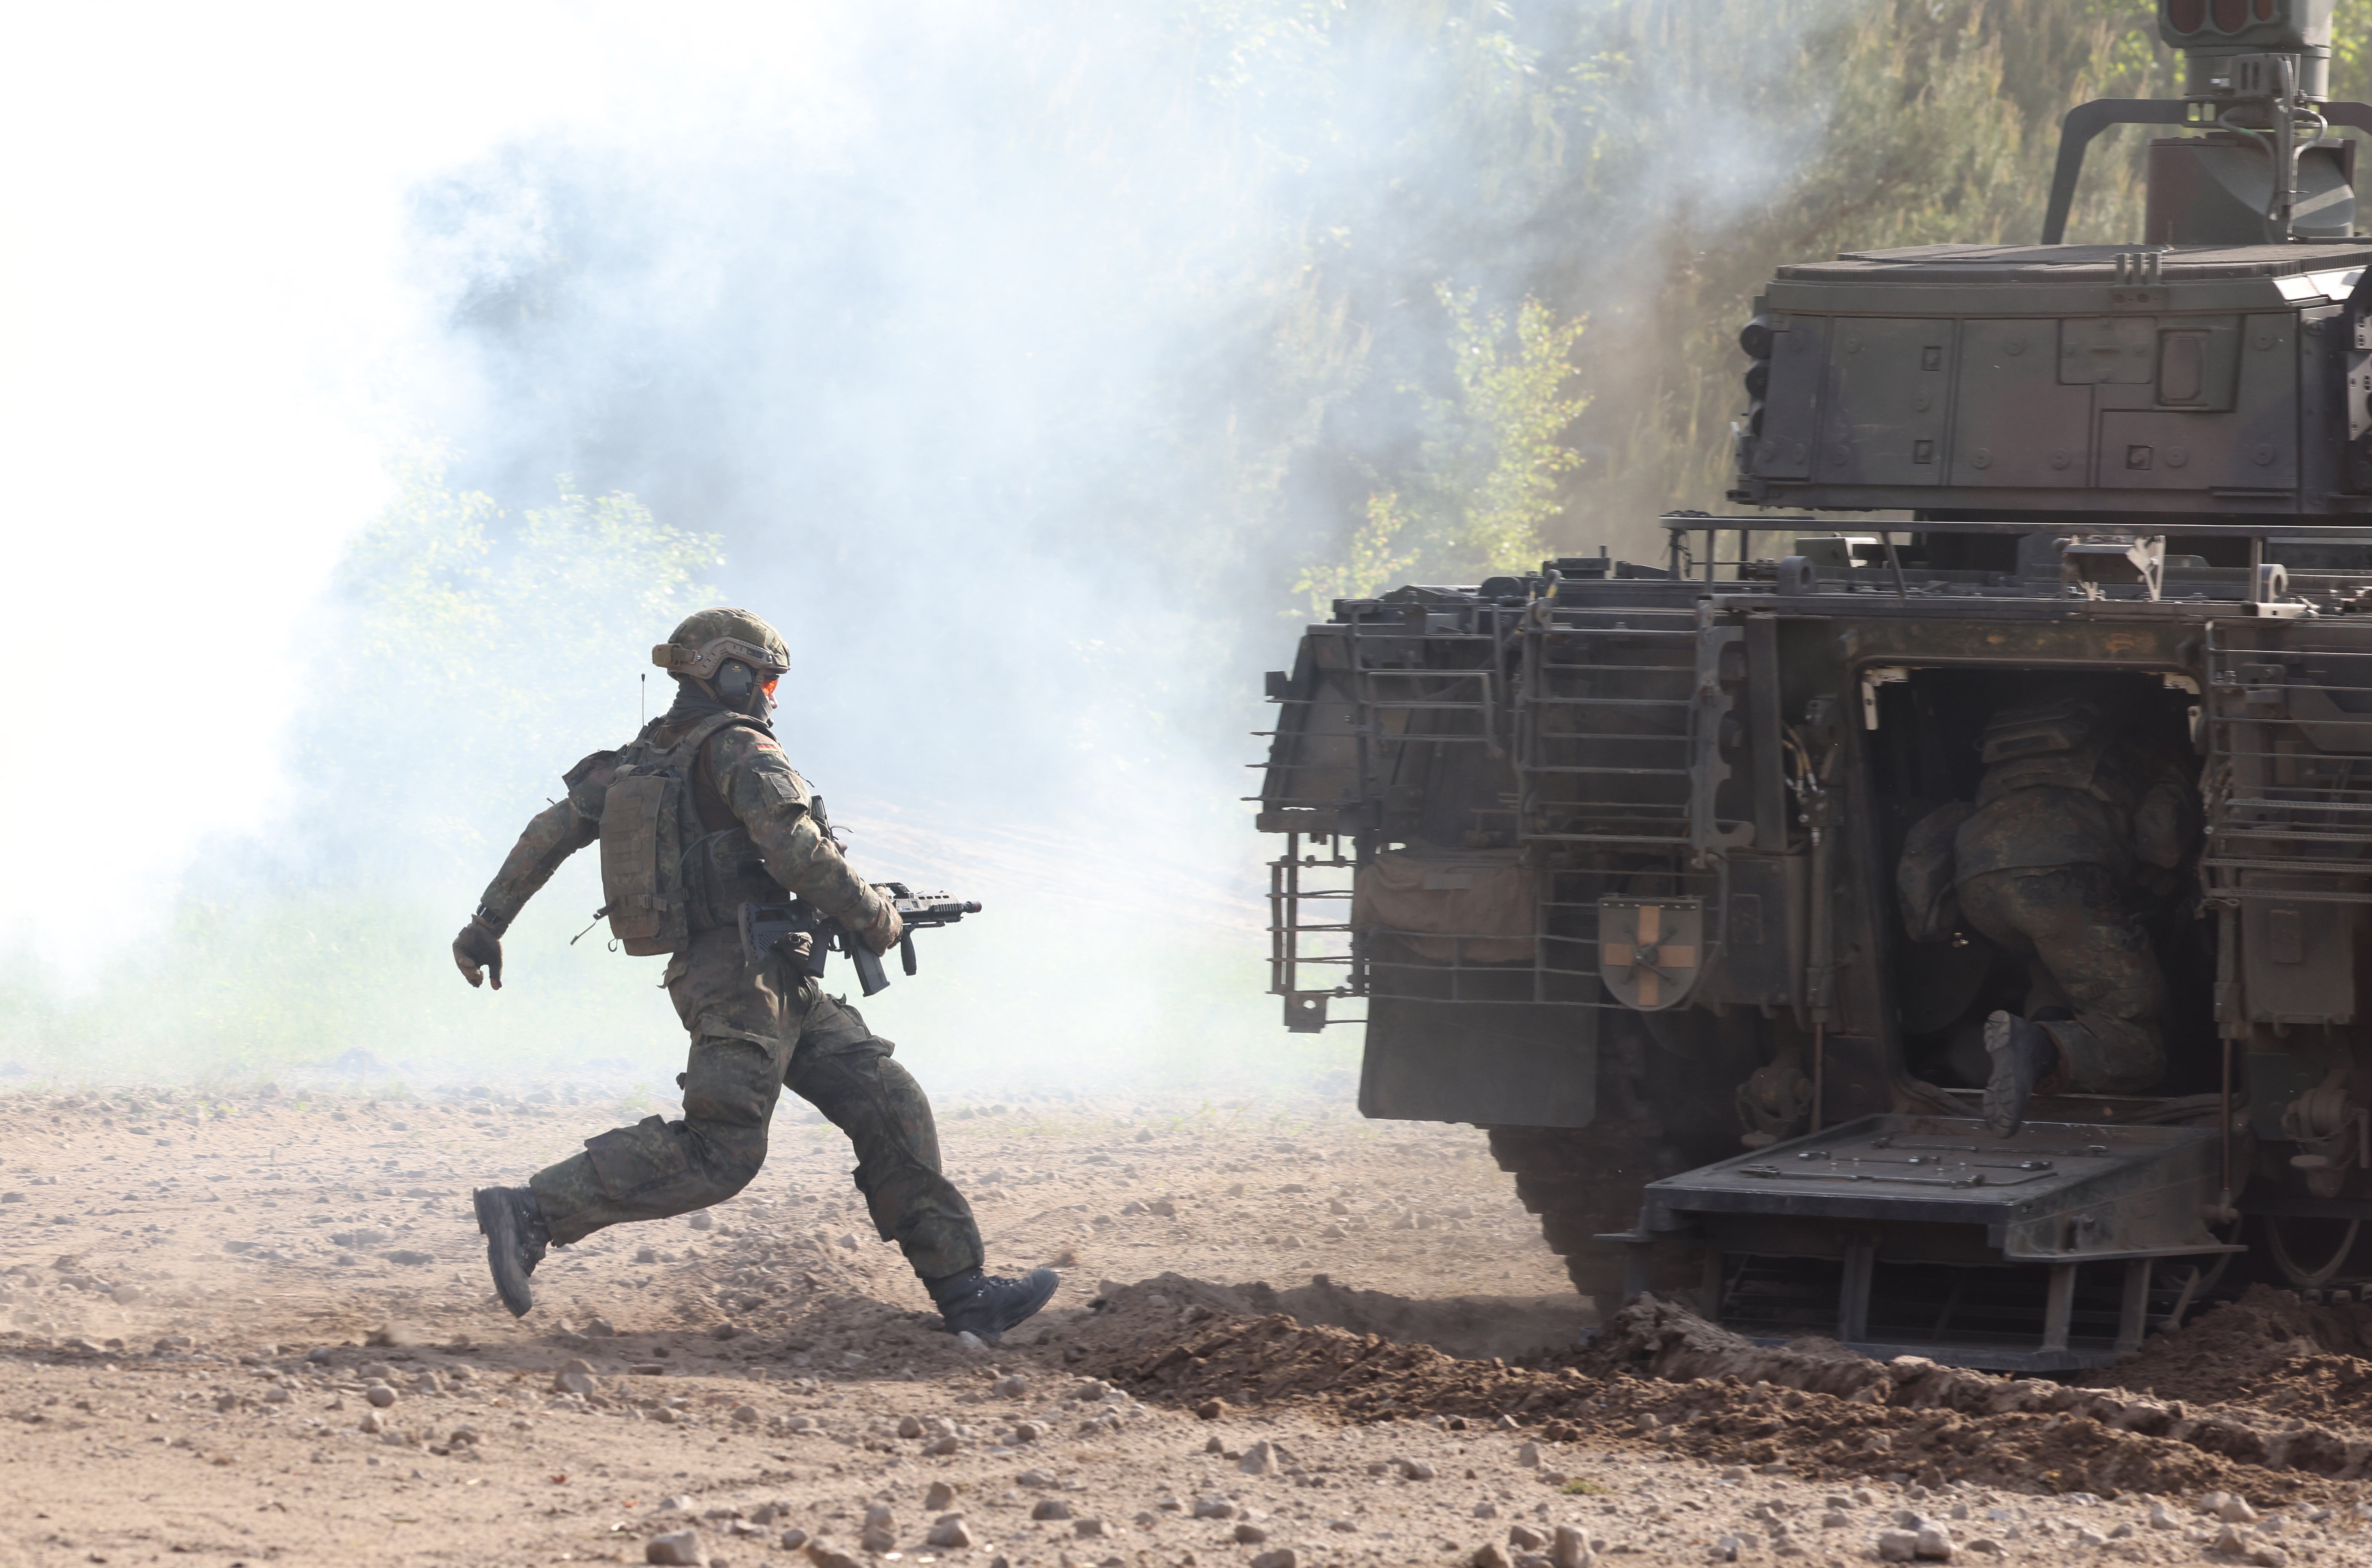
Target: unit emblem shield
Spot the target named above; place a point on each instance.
(1650, 951)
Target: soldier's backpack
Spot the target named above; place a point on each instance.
(650, 834)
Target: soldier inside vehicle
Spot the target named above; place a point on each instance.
(2060, 883)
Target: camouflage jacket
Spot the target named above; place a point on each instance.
(2111, 802)
(744, 779)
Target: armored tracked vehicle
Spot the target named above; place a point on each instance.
(1619, 860)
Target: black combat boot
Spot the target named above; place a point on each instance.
(516, 1236)
(987, 1305)
(2023, 1055)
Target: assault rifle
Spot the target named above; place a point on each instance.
(765, 926)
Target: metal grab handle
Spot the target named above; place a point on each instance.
(2082, 122)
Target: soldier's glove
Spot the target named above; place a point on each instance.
(886, 929)
(478, 946)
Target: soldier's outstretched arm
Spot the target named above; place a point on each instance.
(556, 832)
(775, 805)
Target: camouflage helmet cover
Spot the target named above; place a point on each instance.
(2061, 723)
(701, 645)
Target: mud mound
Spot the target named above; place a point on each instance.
(1472, 1327)
(2088, 1428)
(1674, 1343)
(2269, 1350)
(1468, 1326)
(1192, 1342)
(1660, 1375)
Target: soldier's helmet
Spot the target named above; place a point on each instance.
(701, 647)
(2055, 724)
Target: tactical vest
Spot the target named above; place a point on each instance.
(665, 875)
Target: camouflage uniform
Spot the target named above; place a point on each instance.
(755, 1027)
(2066, 846)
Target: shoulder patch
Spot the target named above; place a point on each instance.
(600, 764)
(742, 737)
(782, 788)
(752, 760)
(588, 781)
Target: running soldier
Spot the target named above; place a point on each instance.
(698, 815)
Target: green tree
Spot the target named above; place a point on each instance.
(1484, 484)
(1647, 166)
(1373, 558)
(1918, 122)
(469, 658)
(476, 652)
(2351, 52)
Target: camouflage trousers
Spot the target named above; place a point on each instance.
(754, 1030)
(2086, 955)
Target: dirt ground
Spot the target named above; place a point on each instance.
(254, 1327)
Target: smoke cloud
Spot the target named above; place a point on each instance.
(1013, 359)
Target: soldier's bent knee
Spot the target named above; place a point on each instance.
(730, 1157)
(731, 1083)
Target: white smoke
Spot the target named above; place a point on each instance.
(213, 330)
(987, 337)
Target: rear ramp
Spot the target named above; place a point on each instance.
(1904, 1234)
